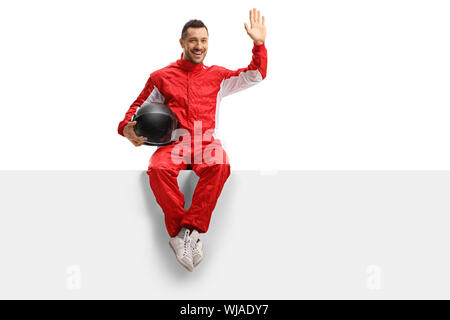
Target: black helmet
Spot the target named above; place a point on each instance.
(155, 121)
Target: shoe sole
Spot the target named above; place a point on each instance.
(181, 262)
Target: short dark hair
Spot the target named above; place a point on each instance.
(192, 24)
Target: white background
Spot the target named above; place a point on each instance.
(350, 84)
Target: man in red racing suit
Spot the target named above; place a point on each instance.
(193, 92)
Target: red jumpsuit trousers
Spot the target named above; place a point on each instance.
(164, 167)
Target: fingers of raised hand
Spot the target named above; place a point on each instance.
(255, 17)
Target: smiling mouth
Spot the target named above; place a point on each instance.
(197, 54)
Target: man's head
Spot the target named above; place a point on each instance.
(194, 38)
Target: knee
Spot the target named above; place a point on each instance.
(156, 165)
(219, 166)
(161, 171)
(153, 170)
(222, 169)
(225, 167)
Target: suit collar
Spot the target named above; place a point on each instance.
(187, 65)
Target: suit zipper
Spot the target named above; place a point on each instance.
(187, 112)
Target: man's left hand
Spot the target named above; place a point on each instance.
(257, 30)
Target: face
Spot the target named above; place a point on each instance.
(195, 41)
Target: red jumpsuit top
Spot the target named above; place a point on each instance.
(194, 91)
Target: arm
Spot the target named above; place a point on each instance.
(149, 86)
(237, 80)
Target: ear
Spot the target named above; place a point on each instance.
(181, 43)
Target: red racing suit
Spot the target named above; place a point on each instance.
(193, 92)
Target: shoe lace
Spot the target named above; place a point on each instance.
(195, 249)
(186, 243)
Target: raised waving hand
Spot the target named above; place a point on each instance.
(257, 30)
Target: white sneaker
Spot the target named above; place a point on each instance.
(197, 250)
(182, 246)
